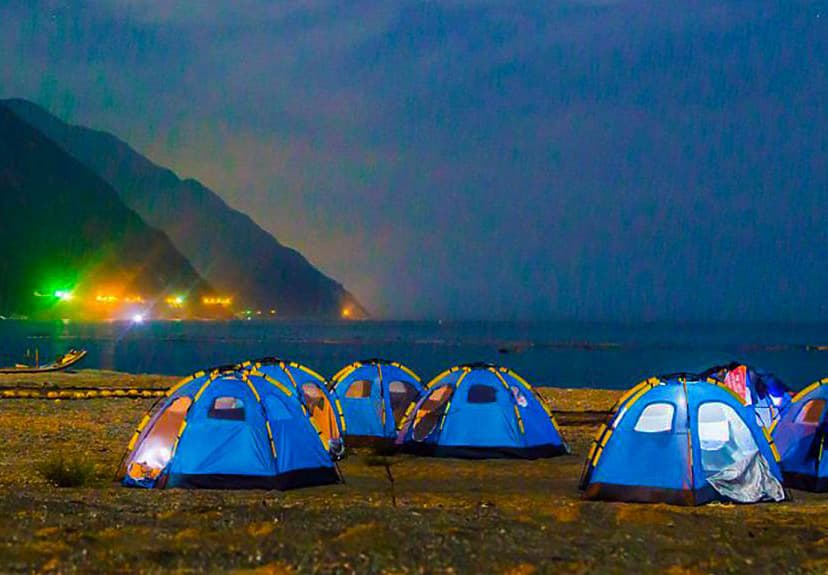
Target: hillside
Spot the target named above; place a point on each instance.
(65, 230)
(225, 246)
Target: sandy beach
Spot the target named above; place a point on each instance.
(444, 515)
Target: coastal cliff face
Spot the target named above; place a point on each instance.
(63, 230)
(225, 246)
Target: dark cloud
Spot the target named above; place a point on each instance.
(479, 158)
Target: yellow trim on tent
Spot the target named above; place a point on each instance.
(771, 443)
(408, 411)
(718, 383)
(290, 376)
(525, 383)
(445, 413)
(625, 402)
(595, 444)
(600, 432)
(272, 381)
(203, 388)
(246, 379)
(341, 413)
(185, 381)
(180, 433)
(440, 376)
(598, 453)
(509, 390)
(318, 431)
(540, 399)
(345, 372)
(519, 419)
(253, 389)
(627, 398)
(591, 451)
(499, 378)
(270, 435)
(407, 370)
(798, 397)
(691, 469)
(308, 370)
(138, 431)
(448, 405)
(634, 399)
(382, 387)
(605, 439)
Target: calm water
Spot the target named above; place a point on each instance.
(557, 354)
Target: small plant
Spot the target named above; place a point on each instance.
(63, 471)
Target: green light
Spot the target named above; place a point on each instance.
(64, 295)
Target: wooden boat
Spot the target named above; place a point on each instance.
(65, 361)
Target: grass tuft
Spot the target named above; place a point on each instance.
(62, 471)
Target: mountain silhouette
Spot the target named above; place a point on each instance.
(236, 256)
(64, 229)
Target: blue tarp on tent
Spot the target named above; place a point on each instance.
(480, 411)
(229, 429)
(374, 395)
(800, 437)
(679, 439)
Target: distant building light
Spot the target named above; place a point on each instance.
(134, 299)
(107, 299)
(175, 301)
(346, 312)
(225, 301)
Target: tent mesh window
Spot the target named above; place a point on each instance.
(481, 394)
(401, 394)
(359, 389)
(656, 418)
(314, 398)
(724, 438)
(227, 408)
(811, 412)
(320, 410)
(431, 412)
(155, 450)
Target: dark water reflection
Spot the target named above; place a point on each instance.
(560, 354)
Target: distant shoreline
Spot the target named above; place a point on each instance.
(589, 403)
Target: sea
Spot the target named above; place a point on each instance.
(558, 354)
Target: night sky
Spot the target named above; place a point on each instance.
(588, 159)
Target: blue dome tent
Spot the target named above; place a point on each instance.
(312, 391)
(768, 395)
(480, 411)
(800, 437)
(683, 440)
(228, 429)
(374, 394)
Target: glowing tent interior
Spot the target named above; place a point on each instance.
(228, 429)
